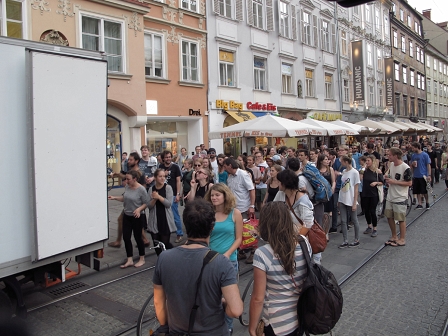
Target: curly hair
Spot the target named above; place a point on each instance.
(276, 227)
(288, 179)
(229, 198)
(199, 218)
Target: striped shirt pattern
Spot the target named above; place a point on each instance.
(280, 303)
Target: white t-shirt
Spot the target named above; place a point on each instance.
(241, 184)
(349, 180)
(215, 169)
(398, 193)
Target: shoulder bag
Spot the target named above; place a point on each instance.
(380, 191)
(316, 235)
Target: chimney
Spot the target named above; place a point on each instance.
(427, 13)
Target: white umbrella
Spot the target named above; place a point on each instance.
(331, 128)
(403, 127)
(267, 126)
(376, 124)
(358, 128)
(430, 127)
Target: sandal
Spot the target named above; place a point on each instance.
(114, 244)
(390, 242)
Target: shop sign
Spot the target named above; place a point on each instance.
(358, 70)
(193, 112)
(231, 135)
(389, 66)
(261, 107)
(257, 134)
(226, 105)
(326, 116)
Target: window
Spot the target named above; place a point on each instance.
(412, 78)
(416, 26)
(356, 10)
(397, 104)
(380, 97)
(12, 18)
(435, 89)
(225, 8)
(411, 49)
(259, 73)
(286, 78)
(226, 68)
(440, 89)
(409, 21)
(428, 61)
(325, 35)
(393, 8)
(190, 68)
(386, 25)
(428, 85)
(369, 55)
(405, 75)
(284, 19)
(190, 5)
(154, 55)
(346, 91)
(257, 12)
(371, 95)
(444, 69)
(103, 35)
(344, 48)
(306, 28)
(377, 18)
(419, 78)
(435, 64)
(440, 67)
(367, 13)
(309, 85)
(423, 82)
(405, 105)
(417, 54)
(395, 39)
(422, 56)
(328, 86)
(412, 111)
(403, 44)
(397, 71)
(379, 59)
(401, 15)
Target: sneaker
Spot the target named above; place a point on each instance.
(343, 245)
(418, 207)
(361, 214)
(368, 230)
(350, 225)
(414, 201)
(427, 206)
(333, 230)
(354, 244)
(374, 233)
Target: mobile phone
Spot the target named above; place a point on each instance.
(192, 153)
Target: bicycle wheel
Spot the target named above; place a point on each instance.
(147, 322)
(110, 183)
(244, 318)
(409, 205)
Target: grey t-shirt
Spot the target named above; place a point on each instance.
(177, 270)
(134, 199)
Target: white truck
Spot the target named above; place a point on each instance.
(53, 199)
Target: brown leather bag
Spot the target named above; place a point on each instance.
(316, 235)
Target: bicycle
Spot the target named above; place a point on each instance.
(147, 322)
(244, 318)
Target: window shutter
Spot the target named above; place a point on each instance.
(315, 32)
(239, 10)
(280, 19)
(294, 22)
(269, 16)
(333, 37)
(321, 34)
(250, 13)
(215, 6)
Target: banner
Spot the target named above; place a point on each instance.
(389, 78)
(358, 71)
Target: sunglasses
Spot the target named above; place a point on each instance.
(198, 165)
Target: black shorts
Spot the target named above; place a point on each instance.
(419, 186)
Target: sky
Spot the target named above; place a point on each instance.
(439, 8)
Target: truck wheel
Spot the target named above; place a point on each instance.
(5, 307)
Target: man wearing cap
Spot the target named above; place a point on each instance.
(214, 163)
(396, 144)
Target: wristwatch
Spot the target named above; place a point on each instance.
(252, 206)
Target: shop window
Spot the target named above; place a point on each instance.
(227, 68)
(190, 67)
(164, 135)
(12, 18)
(101, 34)
(260, 73)
(154, 55)
(113, 144)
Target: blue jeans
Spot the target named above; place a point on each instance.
(177, 221)
(229, 320)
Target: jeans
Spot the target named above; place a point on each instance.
(334, 215)
(345, 211)
(229, 320)
(177, 221)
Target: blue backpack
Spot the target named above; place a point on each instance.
(322, 188)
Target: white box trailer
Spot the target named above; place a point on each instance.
(53, 199)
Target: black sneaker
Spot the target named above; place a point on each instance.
(333, 230)
(343, 245)
(354, 244)
(419, 207)
(427, 206)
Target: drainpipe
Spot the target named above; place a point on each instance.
(338, 57)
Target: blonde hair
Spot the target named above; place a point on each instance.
(374, 166)
(229, 198)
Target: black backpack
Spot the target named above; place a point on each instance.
(320, 305)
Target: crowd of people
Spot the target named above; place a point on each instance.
(220, 192)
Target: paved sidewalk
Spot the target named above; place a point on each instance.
(403, 290)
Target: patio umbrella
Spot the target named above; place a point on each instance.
(332, 129)
(359, 128)
(430, 127)
(385, 129)
(267, 126)
(402, 127)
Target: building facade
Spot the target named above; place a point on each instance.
(409, 62)
(364, 44)
(269, 56)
